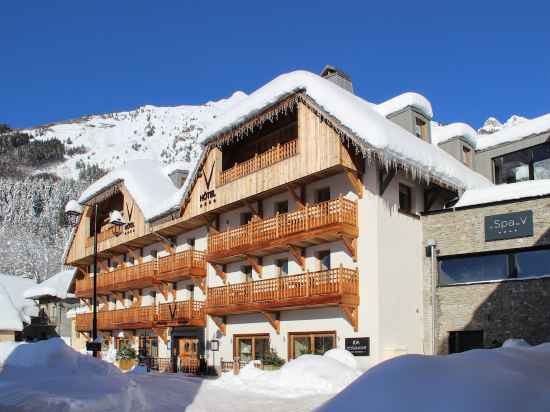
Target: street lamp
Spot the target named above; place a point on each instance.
(73, 212)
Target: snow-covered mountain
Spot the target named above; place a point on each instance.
(493, 125)
(165, 133)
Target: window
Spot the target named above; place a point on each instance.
(310, 343)
(405, 198)
(520, 264)
(280, 207)
(420, 128)
(122, 343)
(154, 253)
(247, 272)
(461, 341)
(532, 163)
(246, 217)
(250, 347)
(191, 242)
(324, 259)
(148, 346)
(323, 195)
(282, 267)
(467, 156)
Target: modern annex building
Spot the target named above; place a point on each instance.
(303, 226)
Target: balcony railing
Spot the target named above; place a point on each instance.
(173, 267)
(260, 161)
(334, 286)
(175, 313)
(340, 211)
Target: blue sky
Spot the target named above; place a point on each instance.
(63, 59)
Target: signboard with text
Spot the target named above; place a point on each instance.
(509, 225)
(358, 346)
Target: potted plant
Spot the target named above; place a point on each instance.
(272, 360)
(126, 357)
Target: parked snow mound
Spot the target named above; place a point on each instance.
(504, 379)
(306, 375)
(342, 356)
(515, 343)
(51, 376)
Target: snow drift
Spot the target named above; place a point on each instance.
(508, 379)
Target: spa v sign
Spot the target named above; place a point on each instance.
(209, 195)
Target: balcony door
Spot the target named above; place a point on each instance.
(250, 347)
(316, 343)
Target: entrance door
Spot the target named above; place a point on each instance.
(188, 354)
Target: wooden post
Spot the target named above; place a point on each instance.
(307, 283)
(236, 365)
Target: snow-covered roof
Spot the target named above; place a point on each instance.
(404, 100)
(73, 206)
(443, 133)
(148, 183)
(516, 132)
(14, 308)
(58, 286)
(369, 129)
(499, 193)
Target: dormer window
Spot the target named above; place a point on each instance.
(421, 129)
(467, 156)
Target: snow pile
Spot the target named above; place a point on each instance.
(14, 308)
(404, 100)
(57, 286)
(505, 379)
(371, 131)
(306, 375)
(72, 206)
(441, 134)
(510, 191)
(342, 356)
(149, 185)
(51, 376)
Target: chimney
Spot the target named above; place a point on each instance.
(338, 77)
(178, 177)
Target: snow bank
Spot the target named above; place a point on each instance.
(342, 356)
(404, 100)
(14, 308)
(370, 130)
(306, 375)
(57, 286)
(51, 376)
(505, 379)
(510, 191)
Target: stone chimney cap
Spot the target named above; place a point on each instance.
(330, 70)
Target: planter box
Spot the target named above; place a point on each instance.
(126, 364)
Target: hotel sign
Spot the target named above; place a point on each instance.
(509, 225)
(358, 346)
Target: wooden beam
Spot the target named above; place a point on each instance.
(220, 271)
(88, 303)
(213, 225)
(255, 263)
(163, 288)
(385, 179)
(350, 313)
(118, 296)
(251, 207)
(136, 298)
(298, 199)
(102, 266)
(356, 183)
(162, 333)
(200, 282)
(430, 196)
(135, 255)
(220, 323)
(274, 319)
(298, 255)
(351, 246)
(167, 244)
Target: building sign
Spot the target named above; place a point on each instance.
(209, 195)
(214, 345)
(358, 346)
(509, 225)
(93, 346)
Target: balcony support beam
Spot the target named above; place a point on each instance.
(220, 323)
(118, 296)
(254, 209)
(200, 283)
(162, 333)
(136, 298)
(356, 183)
(213, 224)
(220, 271)
(137, 257)
(297, 199)
(298, 255)
(255, 263)
(351, 246)
(385, 178)
(167, 244)
(274, 319)
(351, 314)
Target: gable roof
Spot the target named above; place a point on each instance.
(409, 99)
(148, 183)
(58, 286)
(356, 119)
(14, 308)
(444, 133)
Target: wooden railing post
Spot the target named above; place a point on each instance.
(307, 283)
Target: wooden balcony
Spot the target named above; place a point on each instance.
(329, 287)
(189, 312)
(260, 161)
(181, 313)
(312, 224)
(189, 263)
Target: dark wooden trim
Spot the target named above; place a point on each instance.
(290, 352)
(384, 179)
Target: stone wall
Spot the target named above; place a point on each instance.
(502, 309)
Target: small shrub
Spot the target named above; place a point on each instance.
(273, 359)
(126, 353)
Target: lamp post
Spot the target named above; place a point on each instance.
(73, 211)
